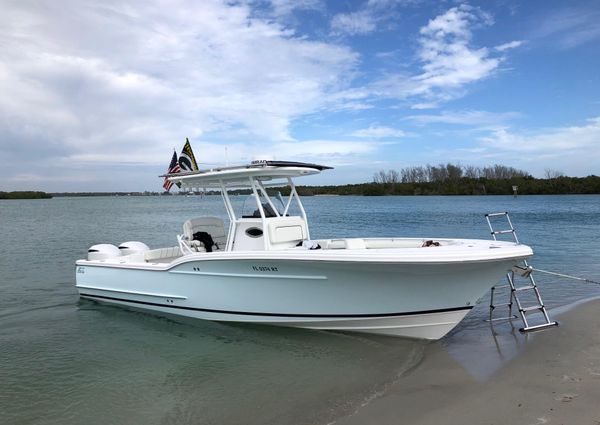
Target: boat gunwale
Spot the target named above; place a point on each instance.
(334, 256)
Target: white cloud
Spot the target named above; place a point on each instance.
(468, 118)
(510, 45)
(574, 150)
(361, 22)
(382, 3)
(36, 179)
(327, 149)
(90, 86)
(560, 141)
(367, 19)
(424, 105)
(208, 153)
(569, 27)
(283, 8)
(132, 79)
(448, 61)
(378, 132)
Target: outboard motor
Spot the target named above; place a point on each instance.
(103, 251)
(133, 247)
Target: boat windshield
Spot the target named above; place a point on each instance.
(273, 206)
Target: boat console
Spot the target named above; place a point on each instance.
(269, 227)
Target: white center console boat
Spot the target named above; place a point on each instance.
(265, 268)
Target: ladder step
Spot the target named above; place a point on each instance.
(501, 232)
(539, 327)
(496, 214)
(501, 305)
(532, 308)
(501, 286)
(524, 288)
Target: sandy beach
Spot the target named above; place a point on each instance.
(553, 379)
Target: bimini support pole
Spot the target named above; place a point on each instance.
(294, 192)
(231, 214)
(262, 213)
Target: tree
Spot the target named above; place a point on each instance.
(382, 176)
(454, 172)
(550, 173)
(472, 172)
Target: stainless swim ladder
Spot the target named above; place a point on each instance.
(521, 270)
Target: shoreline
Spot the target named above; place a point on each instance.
(554, 378)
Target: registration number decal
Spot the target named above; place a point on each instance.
(264, 269)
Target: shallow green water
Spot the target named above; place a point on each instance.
(66, 361)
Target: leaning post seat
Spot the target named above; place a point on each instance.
(214, 226)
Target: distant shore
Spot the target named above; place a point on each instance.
(555, 379)
(463, 186)
(25, 195)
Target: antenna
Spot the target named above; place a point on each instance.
(226, 159)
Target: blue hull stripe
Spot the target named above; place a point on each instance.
(245, 313)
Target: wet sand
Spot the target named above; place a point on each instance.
(554, 378)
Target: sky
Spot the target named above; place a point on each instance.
(95, 95)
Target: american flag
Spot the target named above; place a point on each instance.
(173, 168)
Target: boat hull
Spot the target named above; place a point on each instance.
(400, 299)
